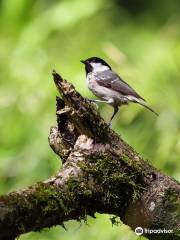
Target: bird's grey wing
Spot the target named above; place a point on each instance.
(110, 79)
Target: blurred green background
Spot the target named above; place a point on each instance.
(139, 38)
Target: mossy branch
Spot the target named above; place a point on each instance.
(100, 173)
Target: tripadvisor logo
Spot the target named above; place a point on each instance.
(139, 231)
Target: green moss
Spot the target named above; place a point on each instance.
(115, 221)
(135, 164)
(32, 205)
(21, 228)
(87, 193)
(119, 177)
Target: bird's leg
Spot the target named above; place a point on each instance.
(116, 109)
(96, 101)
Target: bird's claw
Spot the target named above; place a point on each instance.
(110, 125)
(93, 101)
(90, 100)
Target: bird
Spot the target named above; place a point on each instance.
(109, 87)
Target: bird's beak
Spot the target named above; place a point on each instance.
(84, 62)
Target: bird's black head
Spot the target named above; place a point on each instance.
(94, 60)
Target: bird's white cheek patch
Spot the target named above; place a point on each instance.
(98, 67)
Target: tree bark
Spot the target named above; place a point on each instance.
(100, 173)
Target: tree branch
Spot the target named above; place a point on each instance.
(100, 173)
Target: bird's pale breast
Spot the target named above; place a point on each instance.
(104, 93)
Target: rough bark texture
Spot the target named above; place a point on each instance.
(100, 173)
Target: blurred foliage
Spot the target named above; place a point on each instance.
(139, 38)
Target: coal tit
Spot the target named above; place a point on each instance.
(109, 86)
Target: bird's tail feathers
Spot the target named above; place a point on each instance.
(141, 102)
(146, 106)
